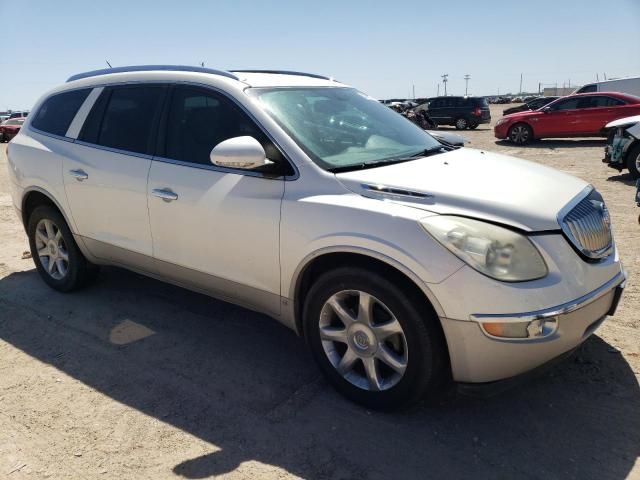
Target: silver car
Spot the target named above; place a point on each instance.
(403, 262)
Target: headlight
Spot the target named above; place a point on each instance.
(497, 252)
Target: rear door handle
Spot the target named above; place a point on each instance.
(165, 194)
(79, 174)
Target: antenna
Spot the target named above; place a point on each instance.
(108, 63)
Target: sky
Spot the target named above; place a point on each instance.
(384, 48)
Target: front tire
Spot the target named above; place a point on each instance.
(373, 343)
(55, 253)
(520, 133)
(633, 161)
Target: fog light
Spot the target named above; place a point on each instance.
(535, 329)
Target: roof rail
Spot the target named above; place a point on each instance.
(283, 72)
(149, 68)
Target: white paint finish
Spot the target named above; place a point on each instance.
(78, 121)
(222, 224)
(35, 163)
(479, 184)
(623, 121)
(111, 204)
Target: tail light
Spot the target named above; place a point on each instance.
(477, 111)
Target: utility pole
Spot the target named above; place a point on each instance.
(414, 91)
(539, 87)
(520, 83)
(445, 80)
(438, 94)
(466, 84)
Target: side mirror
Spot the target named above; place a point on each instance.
(239, 152)
(546, 109)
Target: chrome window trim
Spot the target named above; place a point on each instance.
(169, 83)
(618, 281)
(47, 134)
(215, 168)
(83, 112)
(114, 150)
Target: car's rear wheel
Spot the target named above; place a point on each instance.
(58, 259)
(520, 133)
(370, 340)
(461, 123)
(633, 161)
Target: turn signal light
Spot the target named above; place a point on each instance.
(535, 329)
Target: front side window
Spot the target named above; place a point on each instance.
(199, 119)
(341, 128)
(57, 112)
(128, 119)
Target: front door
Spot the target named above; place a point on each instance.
(559, 120)
(214, 229)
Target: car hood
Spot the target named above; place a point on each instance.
(473, 183)
(623, 121)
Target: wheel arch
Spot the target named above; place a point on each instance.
(36, 196)
(322, 261)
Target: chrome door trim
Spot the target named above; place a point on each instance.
(618, 281)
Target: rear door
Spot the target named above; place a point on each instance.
(106, 176)
(595, 111)
(436, 110)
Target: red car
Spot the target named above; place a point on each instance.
(580, 115)
(10, 128)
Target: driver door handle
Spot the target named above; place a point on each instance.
(79, 174)
(165, 194)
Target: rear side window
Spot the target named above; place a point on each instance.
(57, 112)
(125, 118)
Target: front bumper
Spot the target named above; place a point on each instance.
(478, 358)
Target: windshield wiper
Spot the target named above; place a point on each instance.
(389, 161)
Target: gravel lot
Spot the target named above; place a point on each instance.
(132, 378)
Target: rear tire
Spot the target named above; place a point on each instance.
(55, 253)
(633, 161)
(520, 133)
(461, 123)
(387, 356)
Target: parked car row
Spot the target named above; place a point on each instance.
(10, 128)
(578, 115)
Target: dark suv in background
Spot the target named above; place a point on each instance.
(461, 112)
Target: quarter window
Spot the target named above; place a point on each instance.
(57, 112)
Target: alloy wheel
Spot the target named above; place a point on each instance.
(461, 124)
(363, 340)
(519, 134)
(52, 249)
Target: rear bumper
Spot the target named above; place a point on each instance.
(478, 358)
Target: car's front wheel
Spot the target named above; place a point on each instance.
(58, 259)
(520, 133)
(633, 161)
(372, 341)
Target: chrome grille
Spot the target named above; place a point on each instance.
(588, 227)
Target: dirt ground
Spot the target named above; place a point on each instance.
(132, 378)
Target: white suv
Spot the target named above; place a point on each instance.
(403, 262)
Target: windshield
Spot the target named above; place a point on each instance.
(341, 127)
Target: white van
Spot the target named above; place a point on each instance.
(630, 85)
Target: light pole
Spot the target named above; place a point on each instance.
(466, 84)
(445, 80)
